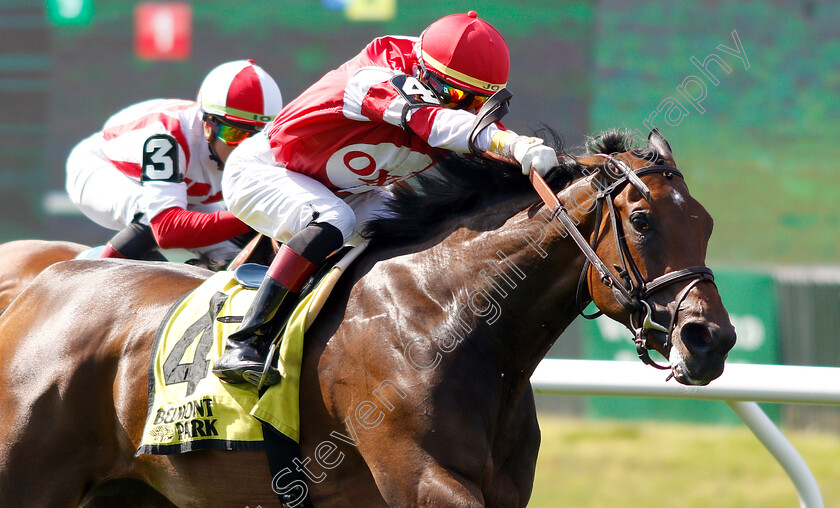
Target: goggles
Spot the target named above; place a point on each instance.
(228, 133)
(453, 97)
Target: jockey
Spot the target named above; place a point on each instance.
(318, 172)
(154, 171)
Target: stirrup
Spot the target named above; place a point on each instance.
(252, 376)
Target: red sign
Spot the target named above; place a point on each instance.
(162, 31)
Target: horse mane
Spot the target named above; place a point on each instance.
(460, 185)
(618, 141)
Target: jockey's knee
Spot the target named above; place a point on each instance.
(317, 241)
(135, 241)
(341, 217)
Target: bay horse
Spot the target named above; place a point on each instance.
(22, 260)
(415, 378)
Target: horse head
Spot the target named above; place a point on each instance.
(649, 237)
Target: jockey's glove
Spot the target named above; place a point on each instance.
(529, 152)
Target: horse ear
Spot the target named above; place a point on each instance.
(658, 142)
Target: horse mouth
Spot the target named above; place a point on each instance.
(698, 357)
(683, 377)
(680, 370)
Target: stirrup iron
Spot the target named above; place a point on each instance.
(251, 376)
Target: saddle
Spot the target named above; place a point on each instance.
(190, 409)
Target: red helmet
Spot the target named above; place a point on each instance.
(467, 52)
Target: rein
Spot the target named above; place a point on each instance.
(630, 292)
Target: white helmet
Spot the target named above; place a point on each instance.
(242, 92)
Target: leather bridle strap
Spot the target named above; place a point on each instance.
(562, 214)
(632, 299)
(544, 191)
(641, 339)
(671, 277)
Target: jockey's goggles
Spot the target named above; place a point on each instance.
(453, 97)
(230, 134)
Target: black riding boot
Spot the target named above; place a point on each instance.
(245, 351)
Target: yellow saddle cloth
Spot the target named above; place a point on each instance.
(189, 407)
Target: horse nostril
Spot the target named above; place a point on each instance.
(729, 338)
(697, 337)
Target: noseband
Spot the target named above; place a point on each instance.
(631, 292)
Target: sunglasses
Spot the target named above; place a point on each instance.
(454, 97)
(229, 134)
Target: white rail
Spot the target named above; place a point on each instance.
(740, 386)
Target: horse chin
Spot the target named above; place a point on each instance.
(681, 371)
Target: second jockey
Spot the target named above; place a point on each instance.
(154, 171)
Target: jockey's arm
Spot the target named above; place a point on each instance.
(379, 95)
(529, 152)
(449, 129)
(177, 228)
(454, 126)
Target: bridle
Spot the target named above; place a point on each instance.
(630, 291)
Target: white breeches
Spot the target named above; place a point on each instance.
(279, 203)
(105, 195)
(111, 199)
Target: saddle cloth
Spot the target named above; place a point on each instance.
(189, 407)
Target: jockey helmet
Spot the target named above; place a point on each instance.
(240, 92)
(466, 52)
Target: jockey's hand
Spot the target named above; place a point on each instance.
(530, 152)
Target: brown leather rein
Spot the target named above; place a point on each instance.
(631, 292)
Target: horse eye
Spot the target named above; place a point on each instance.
(640, 222)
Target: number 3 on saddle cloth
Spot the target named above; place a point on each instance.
(189, 407)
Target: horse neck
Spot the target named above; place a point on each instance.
(517, 279)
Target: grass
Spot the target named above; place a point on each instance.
(585, 463)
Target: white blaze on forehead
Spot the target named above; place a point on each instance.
(678, 198)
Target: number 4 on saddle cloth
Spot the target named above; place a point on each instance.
(189, 407)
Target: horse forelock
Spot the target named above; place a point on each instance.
(458, 187)
(621, 140)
